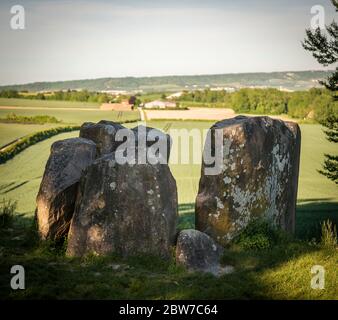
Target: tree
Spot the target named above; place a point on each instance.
(324, 48)
(330, 167)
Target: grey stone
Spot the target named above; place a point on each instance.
(196, 251)
(103, 134)
(259, 178)
(153, 139)
(57, 193)
(125, 209)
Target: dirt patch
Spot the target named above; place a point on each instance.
(193, 113)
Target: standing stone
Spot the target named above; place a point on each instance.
(153, 138)
(196, 251)
(126, 209)
(259, 177)
(103, 134)
(56, 197)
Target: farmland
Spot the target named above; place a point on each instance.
(10, 132)
(75, 117)
(32, 103)
(262, 274)
(20, 177)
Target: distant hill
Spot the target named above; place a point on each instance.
(300, 80)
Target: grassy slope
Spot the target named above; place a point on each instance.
(10, 132)
(283, 272)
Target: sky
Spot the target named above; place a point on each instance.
(82, 39)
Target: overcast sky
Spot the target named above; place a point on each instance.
(65, 40)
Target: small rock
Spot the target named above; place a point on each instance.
(196, 251)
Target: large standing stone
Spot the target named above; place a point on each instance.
(259, 177)
(126, 209)
(196, 251)
(103, 134)
(153, 138)
(56, 197)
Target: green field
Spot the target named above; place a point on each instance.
(20, 177)
(33, 103)
(10, 132)
(277, 273)
(76, 117)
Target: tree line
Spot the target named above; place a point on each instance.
(315, 103)
(69, 95)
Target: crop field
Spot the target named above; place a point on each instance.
(259, 274)
(32, 103)
(10, 132)
(76, 117)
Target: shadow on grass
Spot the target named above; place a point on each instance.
(51, 275)
(186, 213)
(311, 213)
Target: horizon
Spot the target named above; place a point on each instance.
(63, 41)
(169, 75)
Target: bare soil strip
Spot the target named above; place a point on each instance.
(212, 114)
(193, 113)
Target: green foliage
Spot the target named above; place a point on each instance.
(314, 104)
(7, 210)
(329, 235)
(39, 119)
(259, 101)
(280, 273)
(71, 95)
(260, 235)
(206, 96)
(9, 94)
(324, 48)
(330, 166)
(27, 141)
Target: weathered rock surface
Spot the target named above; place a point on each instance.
(259, 177)
(159, 141)
(126, 209)
(57, 194)
(196, 251)
(103, 134)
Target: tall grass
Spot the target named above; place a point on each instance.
(7, 210)
(329, 234)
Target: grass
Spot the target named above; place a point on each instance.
(20, 177)
(280, 270)
(32, 103)
(329, 234)
(41, 119)
(76, 117)
(10, 132)
(7, 211)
